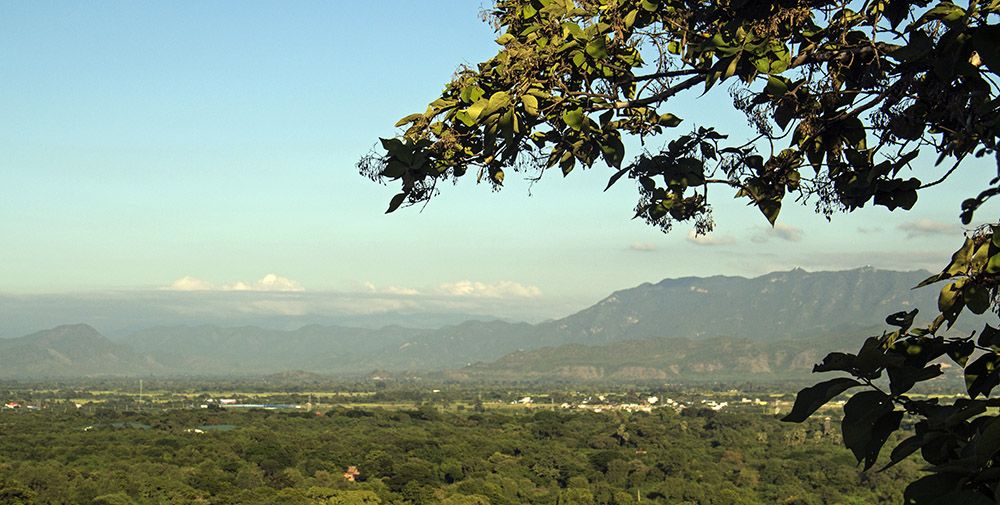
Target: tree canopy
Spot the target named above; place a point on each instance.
(842, 97)
(842, 101)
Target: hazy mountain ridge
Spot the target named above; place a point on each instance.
(71, 350)
(774, 306)
(668, 359)
(783, 312)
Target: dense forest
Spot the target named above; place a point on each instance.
(426, 454)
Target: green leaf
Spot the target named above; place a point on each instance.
(530, 104)
(408, 119)
(960, 259)
(993, 265)
(731, 67)
(812, 398)
(573, 29)
(950, 299)
(776, 86)
(770, 209)
(630, 19)
(476, 109)
(574, 118)
(944, 11)
(472, 94)
(932, 279)
(597, 48)
(669, 120)
(499, 100)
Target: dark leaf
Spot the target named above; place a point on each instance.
(902, 451)
(960, 350)
(903, 378)
(989, 337)
(614, 178)
(977, 298)
(812, 398)
(987, 442)
(930, 489)
(396, 202)
(837, 361)
(902, 319)
(983, 375)
(868, 420)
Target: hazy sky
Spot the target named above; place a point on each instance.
(211, 145)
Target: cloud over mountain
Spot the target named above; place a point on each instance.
(501, 289)
(268, 283)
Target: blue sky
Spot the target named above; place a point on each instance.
(207, 144)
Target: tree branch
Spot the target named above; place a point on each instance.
(661, 75)
(659, 97)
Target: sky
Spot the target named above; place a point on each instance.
(210, 147)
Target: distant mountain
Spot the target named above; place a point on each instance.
(775, 306)
(228, 350)
(678, 323)
(667, 359)
(71, 350)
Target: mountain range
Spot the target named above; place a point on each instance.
(768, 326)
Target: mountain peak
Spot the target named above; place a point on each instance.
(74, 328)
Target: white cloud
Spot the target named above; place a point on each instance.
(708, 240)
(268, 283)
(403, 291)
(272, 282)
(779, 231)
(502, 289)
(450, 291)
(642, 246)
(924, 227)
(188, 283)
(370, 287)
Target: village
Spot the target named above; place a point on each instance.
(446, 397)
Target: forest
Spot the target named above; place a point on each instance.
(398, 446)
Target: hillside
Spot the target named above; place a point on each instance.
(71, 351)
(667, 359)
(775, 306)
(680, 323)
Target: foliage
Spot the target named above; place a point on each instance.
(517, 457)
(960, 441)
(844, 95)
